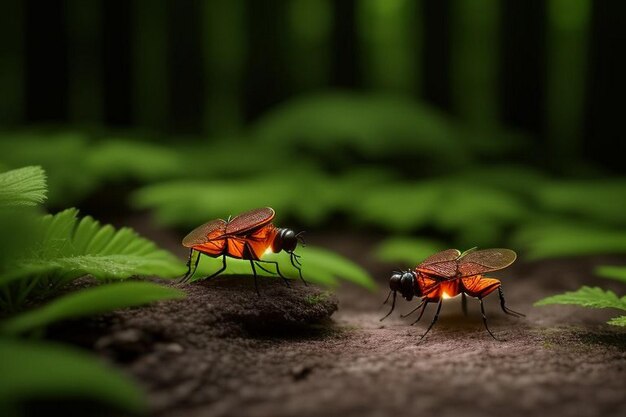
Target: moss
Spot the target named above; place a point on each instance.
(317, 298)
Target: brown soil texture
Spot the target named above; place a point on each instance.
(224, 351)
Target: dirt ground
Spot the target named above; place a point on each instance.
(224, 351)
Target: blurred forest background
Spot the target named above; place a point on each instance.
(468, 122)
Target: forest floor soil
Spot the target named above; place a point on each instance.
(300, 351)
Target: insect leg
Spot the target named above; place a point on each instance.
(256, 284)
(482, 310)
(393, 305)
(432, 323)
(293, 256)
(387, 299)
(414, 310)
(464, 304)
(265, 269)
(189, 274)
(421, 312)
(280, 274)
(505, 308)
(213, 275)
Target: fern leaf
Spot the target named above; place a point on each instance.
(23, 187)
(71, 248)
(587, 297)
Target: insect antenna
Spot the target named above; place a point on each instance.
(393, 305)
(300, 237)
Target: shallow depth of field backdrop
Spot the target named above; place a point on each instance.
(387, 129)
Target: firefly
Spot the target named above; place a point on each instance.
(449, 273)
(248, 236)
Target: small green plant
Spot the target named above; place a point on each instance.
(596, 297)
(590, 297)
(40, 254)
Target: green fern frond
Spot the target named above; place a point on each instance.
(87, 247)
(587, 297)
(590, 297)
(67, 248)
(23, 187)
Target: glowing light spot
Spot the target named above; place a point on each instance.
(268, 250)
(445, 295)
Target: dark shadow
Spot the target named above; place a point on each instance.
(325, 329)
(616, 339)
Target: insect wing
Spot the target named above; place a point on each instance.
(250, 220)
(205, 233)
(487, 260)
(442, 264)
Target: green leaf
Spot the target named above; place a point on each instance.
(587, 297)
(613, 272)
(409, 251)
(41, 370)
(89, 301)
(618, 321)
(23, 187)
(319, 266)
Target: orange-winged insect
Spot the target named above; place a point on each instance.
(450, 273)
(247, 236)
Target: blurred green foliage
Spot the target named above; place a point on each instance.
(319, 266)
(372, 161)
(612, 272)
(406, 250)
(348, 127)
